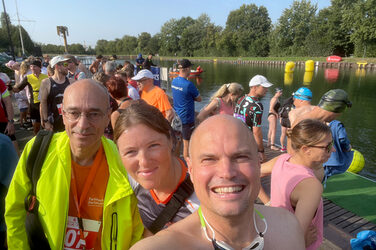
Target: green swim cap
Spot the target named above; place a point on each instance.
(335, 100)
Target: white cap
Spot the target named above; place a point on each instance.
(57, 59)
(260, 80)
(143, 74)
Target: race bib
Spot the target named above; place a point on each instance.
(73, 236)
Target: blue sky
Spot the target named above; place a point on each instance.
(89, 21)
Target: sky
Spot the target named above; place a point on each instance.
(89, 21)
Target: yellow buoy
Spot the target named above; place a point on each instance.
(309, 65)
(357, 163)
(307, 78)
(290, 66)
(289, 77)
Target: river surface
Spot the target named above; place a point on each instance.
(360, 120)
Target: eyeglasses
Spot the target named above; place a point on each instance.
(327, 148)
(93, 116)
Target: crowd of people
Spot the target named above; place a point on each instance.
(127, 166)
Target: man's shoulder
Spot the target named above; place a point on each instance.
(283, 231)
(184, 234)
(180, 80)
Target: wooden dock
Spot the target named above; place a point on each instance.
(340, 225)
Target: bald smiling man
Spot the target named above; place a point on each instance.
(225, 171)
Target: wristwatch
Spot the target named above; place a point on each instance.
(11, 121)
(45, 120)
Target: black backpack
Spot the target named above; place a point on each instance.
(34, 163)
(286, 107)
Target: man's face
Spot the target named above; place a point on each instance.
(224, 168)
(47, 59)
(71, 66)
(62, 67)
(86, 114)
(35, 69)
(144, 84)
(261, 91)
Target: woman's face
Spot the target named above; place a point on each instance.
(146, 155)
(234, 97)
(321, 152)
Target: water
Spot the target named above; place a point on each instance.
(359, 120)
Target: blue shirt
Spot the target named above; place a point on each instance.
(340, 160)
(184, 93)
(8, 163)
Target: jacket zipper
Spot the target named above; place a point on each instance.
(114, 230)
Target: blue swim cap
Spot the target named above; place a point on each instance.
(303, 94)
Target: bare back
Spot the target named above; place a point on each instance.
(299, 114)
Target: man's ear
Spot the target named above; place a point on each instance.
(190, 169)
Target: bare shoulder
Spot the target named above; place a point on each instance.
(185, 234)
(283, 231)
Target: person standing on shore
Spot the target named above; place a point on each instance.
(33, 82)
(273, 115)
(184, 94)
(51, 95)
(148, 62)
(94, 67)
(153, 95)
(249, 109)
(73, 71)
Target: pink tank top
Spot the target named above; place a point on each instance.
(285, 177)
(224, 108)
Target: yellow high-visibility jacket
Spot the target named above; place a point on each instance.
(122, 225)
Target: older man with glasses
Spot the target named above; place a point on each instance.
(85, 200)
(51, 94)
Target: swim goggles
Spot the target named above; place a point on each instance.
(256, 244)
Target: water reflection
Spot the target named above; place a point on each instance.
(331, 75)
(359, 121)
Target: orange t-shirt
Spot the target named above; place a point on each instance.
(92, 207)
(157, 98)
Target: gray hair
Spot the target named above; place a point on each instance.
(110, 67)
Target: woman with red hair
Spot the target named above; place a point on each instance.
(119, 92)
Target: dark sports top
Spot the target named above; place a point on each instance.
(249, 109)
(150, 206)
(54, 104)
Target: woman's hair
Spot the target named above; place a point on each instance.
(139, 112)
(308, 132)
(117, 87)
(101, 77)
(225, 89)
(24, 67)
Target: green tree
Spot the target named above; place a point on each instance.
(129, 44)
(293, 28)
(154, 44)
(248, 29)
(15, 35)
(101, 46)
(171, 33)
(143, 42)
(361, 17)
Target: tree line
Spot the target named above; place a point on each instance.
(345, 28)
